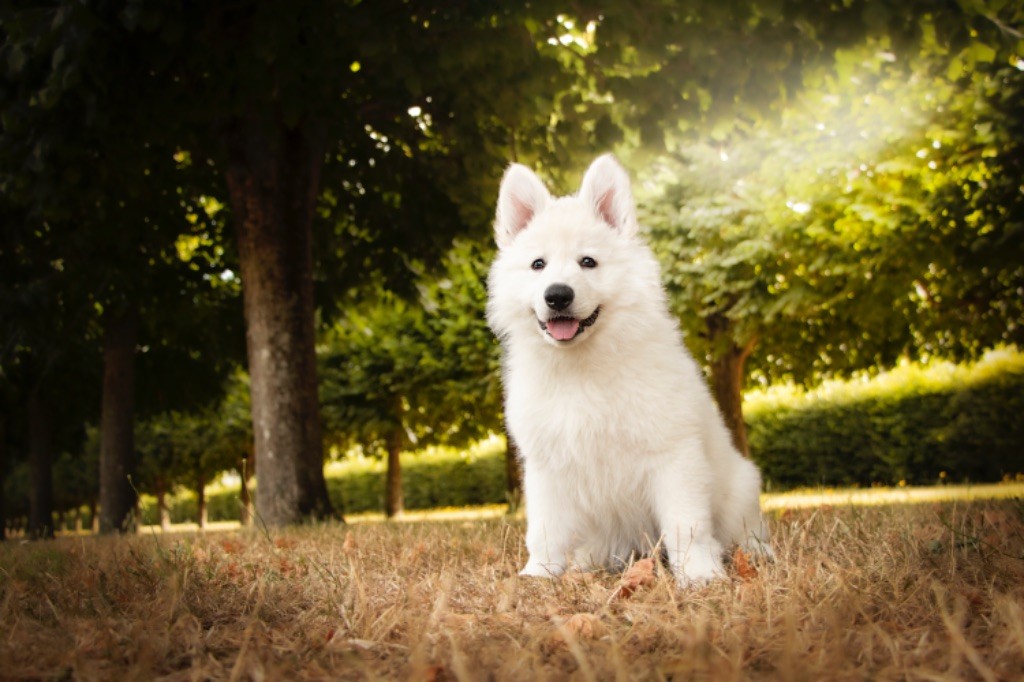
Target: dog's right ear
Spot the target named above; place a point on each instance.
(522, 196)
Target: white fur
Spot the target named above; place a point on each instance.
(622, 446)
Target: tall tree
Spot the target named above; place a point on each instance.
(103, 196)
(41, 457)
(375, 368)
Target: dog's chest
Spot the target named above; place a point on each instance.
(567, 416)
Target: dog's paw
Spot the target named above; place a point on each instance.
(698, 570)
(537, 569)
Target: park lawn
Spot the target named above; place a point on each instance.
(923, 591)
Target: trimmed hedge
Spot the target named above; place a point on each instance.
(918, 425)
(912, 425)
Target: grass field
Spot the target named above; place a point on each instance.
(928, 591)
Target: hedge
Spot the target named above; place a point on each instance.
(913, 425)
(917, 425)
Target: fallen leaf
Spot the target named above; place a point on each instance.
(231, 546)
(640, 574)
(745, 569)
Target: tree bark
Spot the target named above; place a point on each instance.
(3, 478)
(273, 178)
(248, 468)
(728, 370)
(117, 423)
(201, 515)
(394, 503)
(40, 426)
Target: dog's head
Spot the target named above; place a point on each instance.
(561, 259)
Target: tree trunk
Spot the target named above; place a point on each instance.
(513, 474)
(40, 427)
(728, 370)
(273, 179)
(117, 423)
(201, 516)
(248, 468)
(393, 500)
(3, 478)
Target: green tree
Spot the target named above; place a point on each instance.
(282, 88)
(373, 374)
(101, 197)
(814, 245)
(403, 373)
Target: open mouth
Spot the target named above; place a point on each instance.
(565, 328)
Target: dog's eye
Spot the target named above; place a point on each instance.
(538, 264)
(588, 262)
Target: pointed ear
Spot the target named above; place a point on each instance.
(522, 196)
(606, 189)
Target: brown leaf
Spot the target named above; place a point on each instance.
(585, 626)
(745, 569)
(428, 673)
(640, 574)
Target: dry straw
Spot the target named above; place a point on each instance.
(922, 592)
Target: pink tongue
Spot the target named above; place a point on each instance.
(563, 330)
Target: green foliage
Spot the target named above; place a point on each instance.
(831, 248)
(443, 478)
(426, 369)
(917, 425)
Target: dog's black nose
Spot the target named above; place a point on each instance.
(559, 296)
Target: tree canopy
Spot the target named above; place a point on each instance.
(830, 186)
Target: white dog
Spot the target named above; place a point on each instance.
(622, 446)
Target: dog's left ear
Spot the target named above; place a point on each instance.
(606, 189)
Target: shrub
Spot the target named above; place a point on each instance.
(915, 425)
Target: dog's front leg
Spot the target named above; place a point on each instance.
(681, 493)
(549, 522)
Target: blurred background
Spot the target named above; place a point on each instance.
(242, 240)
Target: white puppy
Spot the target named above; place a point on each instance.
(622, 446)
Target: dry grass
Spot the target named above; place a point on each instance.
(906, 592)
